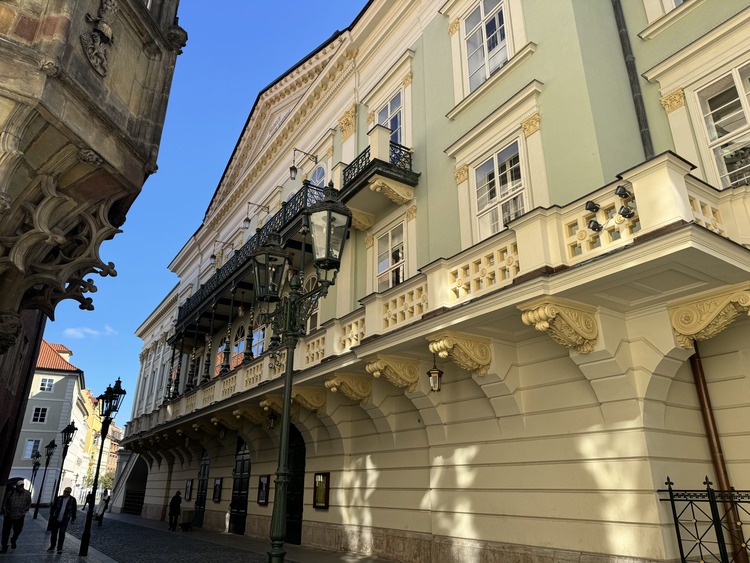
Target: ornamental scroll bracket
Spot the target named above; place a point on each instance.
(355, 387)
(255, 415)
(469, 353)
(567, 323)
(397, 192)
(275, 403)
(705, 318)
(399, 371)
(309, 397)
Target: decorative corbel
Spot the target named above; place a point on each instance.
(569, 324)
(204, 427)
(705, 318)
(255, 415)
(356, 387)
(362, 221)
(396, 192)
(467, 352)
(400, 372)
(275, 403)
(309, 397)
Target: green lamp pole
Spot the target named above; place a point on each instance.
(49, 450)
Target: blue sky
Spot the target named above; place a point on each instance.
(231, 55)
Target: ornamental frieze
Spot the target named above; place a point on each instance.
(400, 372)
(471, 354)
(705, 318)
(355, 387)
(569, 325)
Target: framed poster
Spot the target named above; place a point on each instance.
(321, 488)
(188, 489)
(263, 485)
(217, 489)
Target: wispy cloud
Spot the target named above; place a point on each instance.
(79, 333)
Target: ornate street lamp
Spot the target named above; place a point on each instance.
(49, 450)
(109, 404)
(67, 437)
(329, 221)
(35, 457)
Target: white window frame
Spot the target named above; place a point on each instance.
(410, 241)
(389, 114)
(394, 265)
(47, 384)
(322, 181)
(31, 447)
(382, 89)
(40, 414)
(258, 345)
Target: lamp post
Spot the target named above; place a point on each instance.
(67, 437)
(35, 457)
(49, 450)
(109, 404)
(329, 222)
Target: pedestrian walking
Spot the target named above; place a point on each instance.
(102, 507)
(174, 510)
(89, 501)
(63, 511)
(16, 505)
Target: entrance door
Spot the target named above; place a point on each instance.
(240, 485)
(295, 494)
(200, 495)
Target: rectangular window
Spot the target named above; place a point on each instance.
(31, 447)
(40, 414)
(725, 108)
(46, 384)
(500, 194)
(390, 116)
(391, 259)
(486, 46)
(259, 341)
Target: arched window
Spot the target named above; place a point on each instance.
(238, 350)
(318, 176)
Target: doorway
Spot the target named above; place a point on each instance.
(200, 495)
(240, 486)
(295, 494)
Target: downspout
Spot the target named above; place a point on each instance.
(635, 85)
(717, 454)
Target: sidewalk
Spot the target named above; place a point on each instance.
(125, 538)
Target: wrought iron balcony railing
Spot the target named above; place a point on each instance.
(399, 156)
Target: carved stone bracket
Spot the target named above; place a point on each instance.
(674, 100)
(567, 323)
(177, 38)
(704, 319)
(255, 415)
(348, 123)
(356, 387)
(275, 403)
(396, 192)
(10, 328)
(469, 353)
(400, 372)
(362, 221)
(313, 399)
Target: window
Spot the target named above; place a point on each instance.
(499, 190)
(318, 177)
(40, 414)
(390, 116)
(725, 110)
(259, 341)
(238, 350)
(391, 262)
(32, 446)
(486, 46)
(220, 356)
(46, 384)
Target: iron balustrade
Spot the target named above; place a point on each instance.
(399, 156)
(357, 166)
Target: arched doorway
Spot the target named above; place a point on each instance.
(202, 491)
(240, 486)
(135, 487)
(295, 494)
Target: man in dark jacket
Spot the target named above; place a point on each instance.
(63, 511)
(174, 510)
(16, 506)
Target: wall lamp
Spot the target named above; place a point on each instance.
(293, 168)
(246, 220)
(271, 421)
(213, 254)
(436, 376)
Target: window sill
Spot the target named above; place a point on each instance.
(671, 17)
(523, 54)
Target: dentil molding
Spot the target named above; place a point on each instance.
(356, 387)
(469, 353)
(705, 318)
(567, 323)
(399, 371)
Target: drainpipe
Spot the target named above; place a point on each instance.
(635, 85)
(717, 454)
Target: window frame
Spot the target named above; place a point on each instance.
(44, 388)
(238, 347)
(401, 265)
(386, 106)
(39, 413)
(383, 88)
(35, 445)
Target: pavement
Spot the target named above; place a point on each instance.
(124, 538)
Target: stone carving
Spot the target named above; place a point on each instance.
(355, 387)
(704, 319)
(369, 241)
(274, 403)
(256, 415)
(400, 372)
(397, 193)
(569, 326)
(347, 123)
(531, 125)
(4, 202)
(96, 44)
(371, 118)
(461, 174)
(309, 397)
(411, 213)
(674, 100)
(150, 168)
(90, 157)
(471, 354)
(10, 328)
(453, 27)
(177, 37)
(408, 78)
(50, 68)
(362, 221)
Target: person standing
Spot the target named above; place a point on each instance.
(63, 511)
(174, 510)
(16, 505)
(89, 501)
(102, 507)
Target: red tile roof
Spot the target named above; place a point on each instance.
(49, 358)
(60, 348)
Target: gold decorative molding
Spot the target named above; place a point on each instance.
(274, 403)
(454, 27)
(471, 354)
(356, 387)
(705, 318)
(397, 193)
(313, 399)
(531, 125)
(400, 372)
(348, 123)
(329, 152)
(408, 78)
(411, 213)
(369, 241)
(362, 221)
(462, 173)
(371, 118)
(674, 100)
(569, 325)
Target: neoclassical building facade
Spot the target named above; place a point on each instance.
(551, 210)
